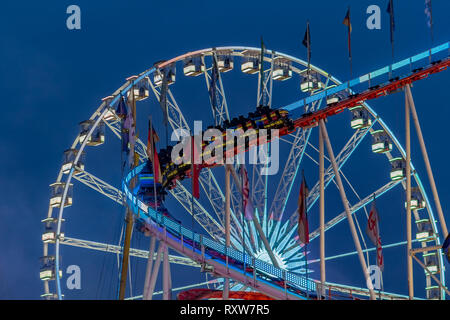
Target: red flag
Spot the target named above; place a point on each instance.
(195, 168)
(248, 208)
(152, 153)
(374, 234)
(303, 229)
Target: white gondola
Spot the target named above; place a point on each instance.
(417, 201)
(433, 292)
(360, 117)
(431, 261)
(98, 135)
(225, 62)
(398, 168)
(158, 76)
(50, 296)
(47, 269)
(193, 67)
(68, 159)
(251, 63)
(311, 82)
(57, 192)
(334, 97)
(424, 229)
(50, 230)
(140, 90)
(281, 70)
(381, 143)
(110, 113)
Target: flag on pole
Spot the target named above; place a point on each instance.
(373, 232)
(307, 42)
(248, 208)
(163, 97)
(132, 141)
(212, 87)
(390, 10)
(446, 248)
(429, 13)
(261, 73)
(127, 124)
(152, 153)
(195, 168)
(303, 228)
(348, 23)
(121, 110)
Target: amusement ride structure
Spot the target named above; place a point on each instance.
(261, 258)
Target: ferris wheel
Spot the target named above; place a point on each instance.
(264, 255)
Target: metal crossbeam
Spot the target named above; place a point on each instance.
(100, 186)
(91, 245)
(367, 200)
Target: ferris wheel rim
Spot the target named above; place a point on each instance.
(100, 112)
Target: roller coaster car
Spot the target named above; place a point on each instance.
(263, 118)
(417, 69)
(436, 62)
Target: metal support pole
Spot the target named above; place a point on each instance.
(129, 215)
(347, 210)
(322, 212)
(167, 285)
(148, 272)
(226, 288)
(437, 202)
(155, 271)
(408, 201)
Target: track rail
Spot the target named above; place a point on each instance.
(309, 120)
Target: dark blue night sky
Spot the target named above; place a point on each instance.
(52, 78)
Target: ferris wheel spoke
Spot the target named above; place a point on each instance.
(218, 99)
(175, 116)
(100, 186)
(341, 159)
(301, 140)
(115, 249)
(259, 181)
(289, 173)
(353, 209)
(195, 209)
(352, 253)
